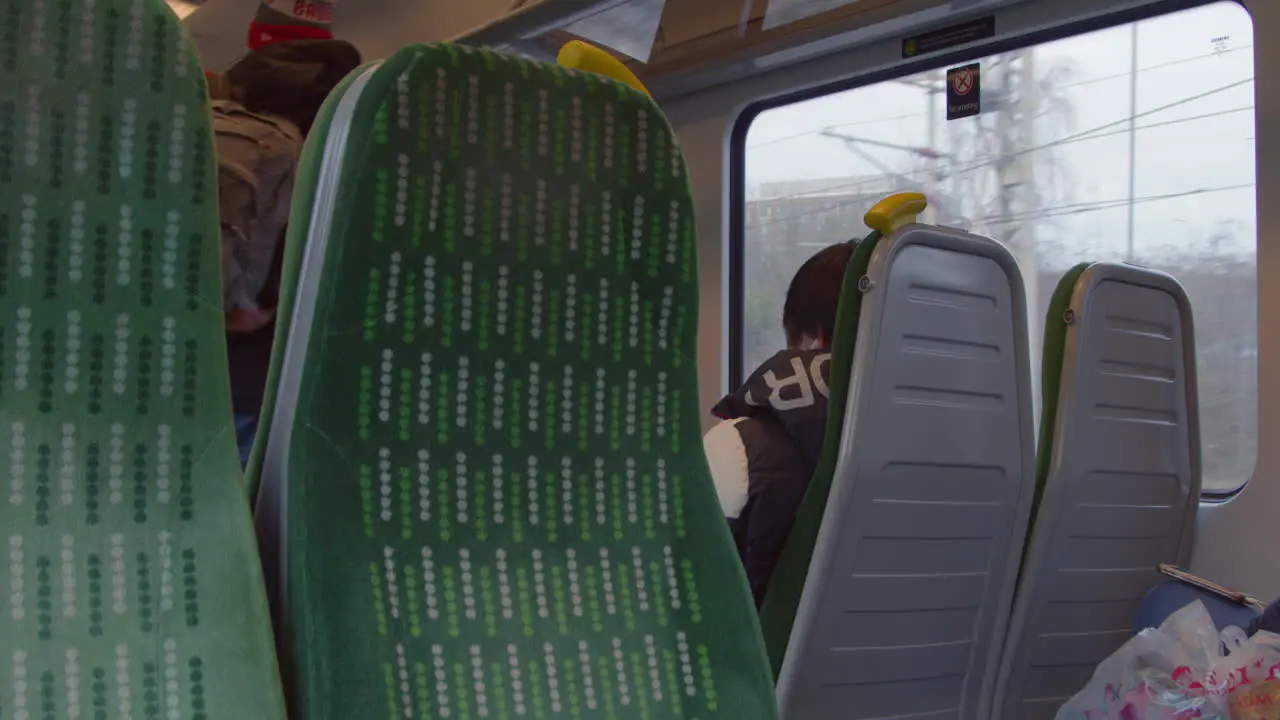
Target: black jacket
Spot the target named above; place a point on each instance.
(763, 452)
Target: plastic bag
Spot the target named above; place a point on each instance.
(1251, 673)
(1180, 671)
(1160, 674)
(1259, 702)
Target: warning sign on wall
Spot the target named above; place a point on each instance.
(964, 92)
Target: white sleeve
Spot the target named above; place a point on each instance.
(727, 457)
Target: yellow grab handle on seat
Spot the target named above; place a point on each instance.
(577, 55)
(894, 212)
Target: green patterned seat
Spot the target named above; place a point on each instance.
(132, 588)
(483, 481)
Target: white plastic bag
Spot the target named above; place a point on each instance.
(1162, 673)
(1250, 674)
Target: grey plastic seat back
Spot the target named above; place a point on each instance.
(1122, 487)
(913, 574)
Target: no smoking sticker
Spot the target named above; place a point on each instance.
(964, 91)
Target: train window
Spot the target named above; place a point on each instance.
(1134, 143)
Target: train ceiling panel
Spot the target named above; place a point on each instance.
(692, 38)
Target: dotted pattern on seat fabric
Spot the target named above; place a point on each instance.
(498, 504)
(130, 586)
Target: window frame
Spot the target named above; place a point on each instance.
(736, 250)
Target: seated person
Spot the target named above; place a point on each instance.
(269, 100)
(764, 450)
(1268, 620)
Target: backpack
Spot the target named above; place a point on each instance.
(290, 79)
(257, 160)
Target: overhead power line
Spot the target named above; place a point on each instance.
(1086, 133)
(1099, 205)
(1065, 210)
(1063, 86)
(856, 123)
(1091, 133)
(1056, 211)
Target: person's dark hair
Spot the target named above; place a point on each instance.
(292, 78)
(814, 295)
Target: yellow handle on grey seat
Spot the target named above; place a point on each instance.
(577, 55)
(895, 212)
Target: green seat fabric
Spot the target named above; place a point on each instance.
(483, 476)
(132, 587)
(1055, 347)
(304, 193)
(778, 613)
